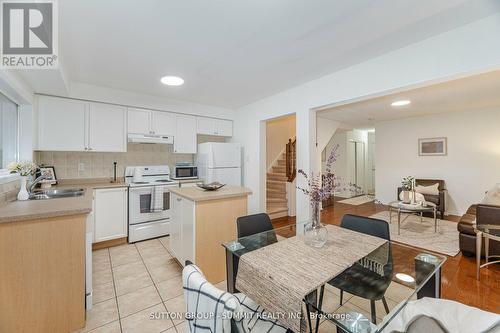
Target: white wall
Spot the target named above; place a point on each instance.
(468, 49)
(278, 132)
(471, 167)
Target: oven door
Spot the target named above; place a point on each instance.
(139, 205)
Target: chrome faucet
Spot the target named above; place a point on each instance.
(35, 183)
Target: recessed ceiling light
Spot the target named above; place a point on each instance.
(402, 102)
(405, 277)
(172, 80)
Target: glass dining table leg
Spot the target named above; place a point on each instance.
(399, 221)
(479, 238)
(435, 220)
(231, 270)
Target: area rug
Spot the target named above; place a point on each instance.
(421, 234)
(356, 201)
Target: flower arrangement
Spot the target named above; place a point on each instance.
(24, 168)
(408, 183)
(321, 187)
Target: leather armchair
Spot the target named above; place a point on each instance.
(438, 200)
(480, 214)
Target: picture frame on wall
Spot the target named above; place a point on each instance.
(432, 146)
(50, 173)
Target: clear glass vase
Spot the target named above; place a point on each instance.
(315, 234)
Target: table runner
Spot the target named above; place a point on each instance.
(280, 275)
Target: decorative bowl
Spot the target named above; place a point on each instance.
(211, 186)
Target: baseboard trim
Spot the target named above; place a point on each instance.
(109, 243)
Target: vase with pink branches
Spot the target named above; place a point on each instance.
(320, 187)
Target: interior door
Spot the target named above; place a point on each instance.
(107, 128)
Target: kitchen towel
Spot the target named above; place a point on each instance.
(157, 198)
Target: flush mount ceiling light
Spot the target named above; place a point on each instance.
(402, 102)
(172, 80)
(405, 277)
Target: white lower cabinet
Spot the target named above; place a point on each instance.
(110, 213)
(182, 230)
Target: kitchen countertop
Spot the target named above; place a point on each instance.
(198, 194)
(40, 209)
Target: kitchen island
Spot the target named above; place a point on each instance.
(203, 220)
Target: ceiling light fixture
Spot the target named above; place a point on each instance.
(405, 277)
(172, 80)
(402, 102)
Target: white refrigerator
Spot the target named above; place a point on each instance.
(219, 161)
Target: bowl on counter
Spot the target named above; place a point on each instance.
(214, 186)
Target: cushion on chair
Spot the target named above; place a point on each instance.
(452, 316)
(430, 189)
(209, 309)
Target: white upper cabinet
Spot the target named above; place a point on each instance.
(139, 121)
(107, 128)
(72, 125)
(185, 134)
(61, 124)
(163, 123)
(224, 127)
(212, 126)
(205, 125)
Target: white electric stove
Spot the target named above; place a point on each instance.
(143, 221)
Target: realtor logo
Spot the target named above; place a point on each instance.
(29, 34)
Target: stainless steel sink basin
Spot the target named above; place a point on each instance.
(57, 193)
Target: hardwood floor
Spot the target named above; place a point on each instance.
(458, 273)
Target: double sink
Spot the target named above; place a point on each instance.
(56, 193)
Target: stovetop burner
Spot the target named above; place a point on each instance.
(140, 183)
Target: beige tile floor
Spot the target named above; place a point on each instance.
(133, 281)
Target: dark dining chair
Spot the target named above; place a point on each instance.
(361, 279)
(253, 224)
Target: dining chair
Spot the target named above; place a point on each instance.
(363, 279)
(209, 309)
(254, 224)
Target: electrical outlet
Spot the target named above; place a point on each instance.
(81, 167)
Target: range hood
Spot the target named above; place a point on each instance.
(143, 138)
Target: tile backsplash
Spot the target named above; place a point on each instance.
(8, 191)
(73, 165)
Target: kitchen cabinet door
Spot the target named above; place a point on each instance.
(163, 123)
(185, 134)
(176, 226)
(205, 126)
(107, 128)
(61, 124)
(224, 127)
(188, 239)
(139, 121)
(110, 214)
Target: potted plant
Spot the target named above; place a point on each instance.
(25, 169)
(319, 188)
(408, 185)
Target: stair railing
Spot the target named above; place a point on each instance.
(291, 160)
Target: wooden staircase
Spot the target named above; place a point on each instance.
(281, 172)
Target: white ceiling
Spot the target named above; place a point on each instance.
(471, 93)
(231, 53)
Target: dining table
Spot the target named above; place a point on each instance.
(289, 278)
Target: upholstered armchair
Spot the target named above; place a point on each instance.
(439, 199)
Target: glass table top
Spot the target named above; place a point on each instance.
(394, 271)
(427, 206)
(490, 229)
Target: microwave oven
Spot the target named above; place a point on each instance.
(186, 172)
